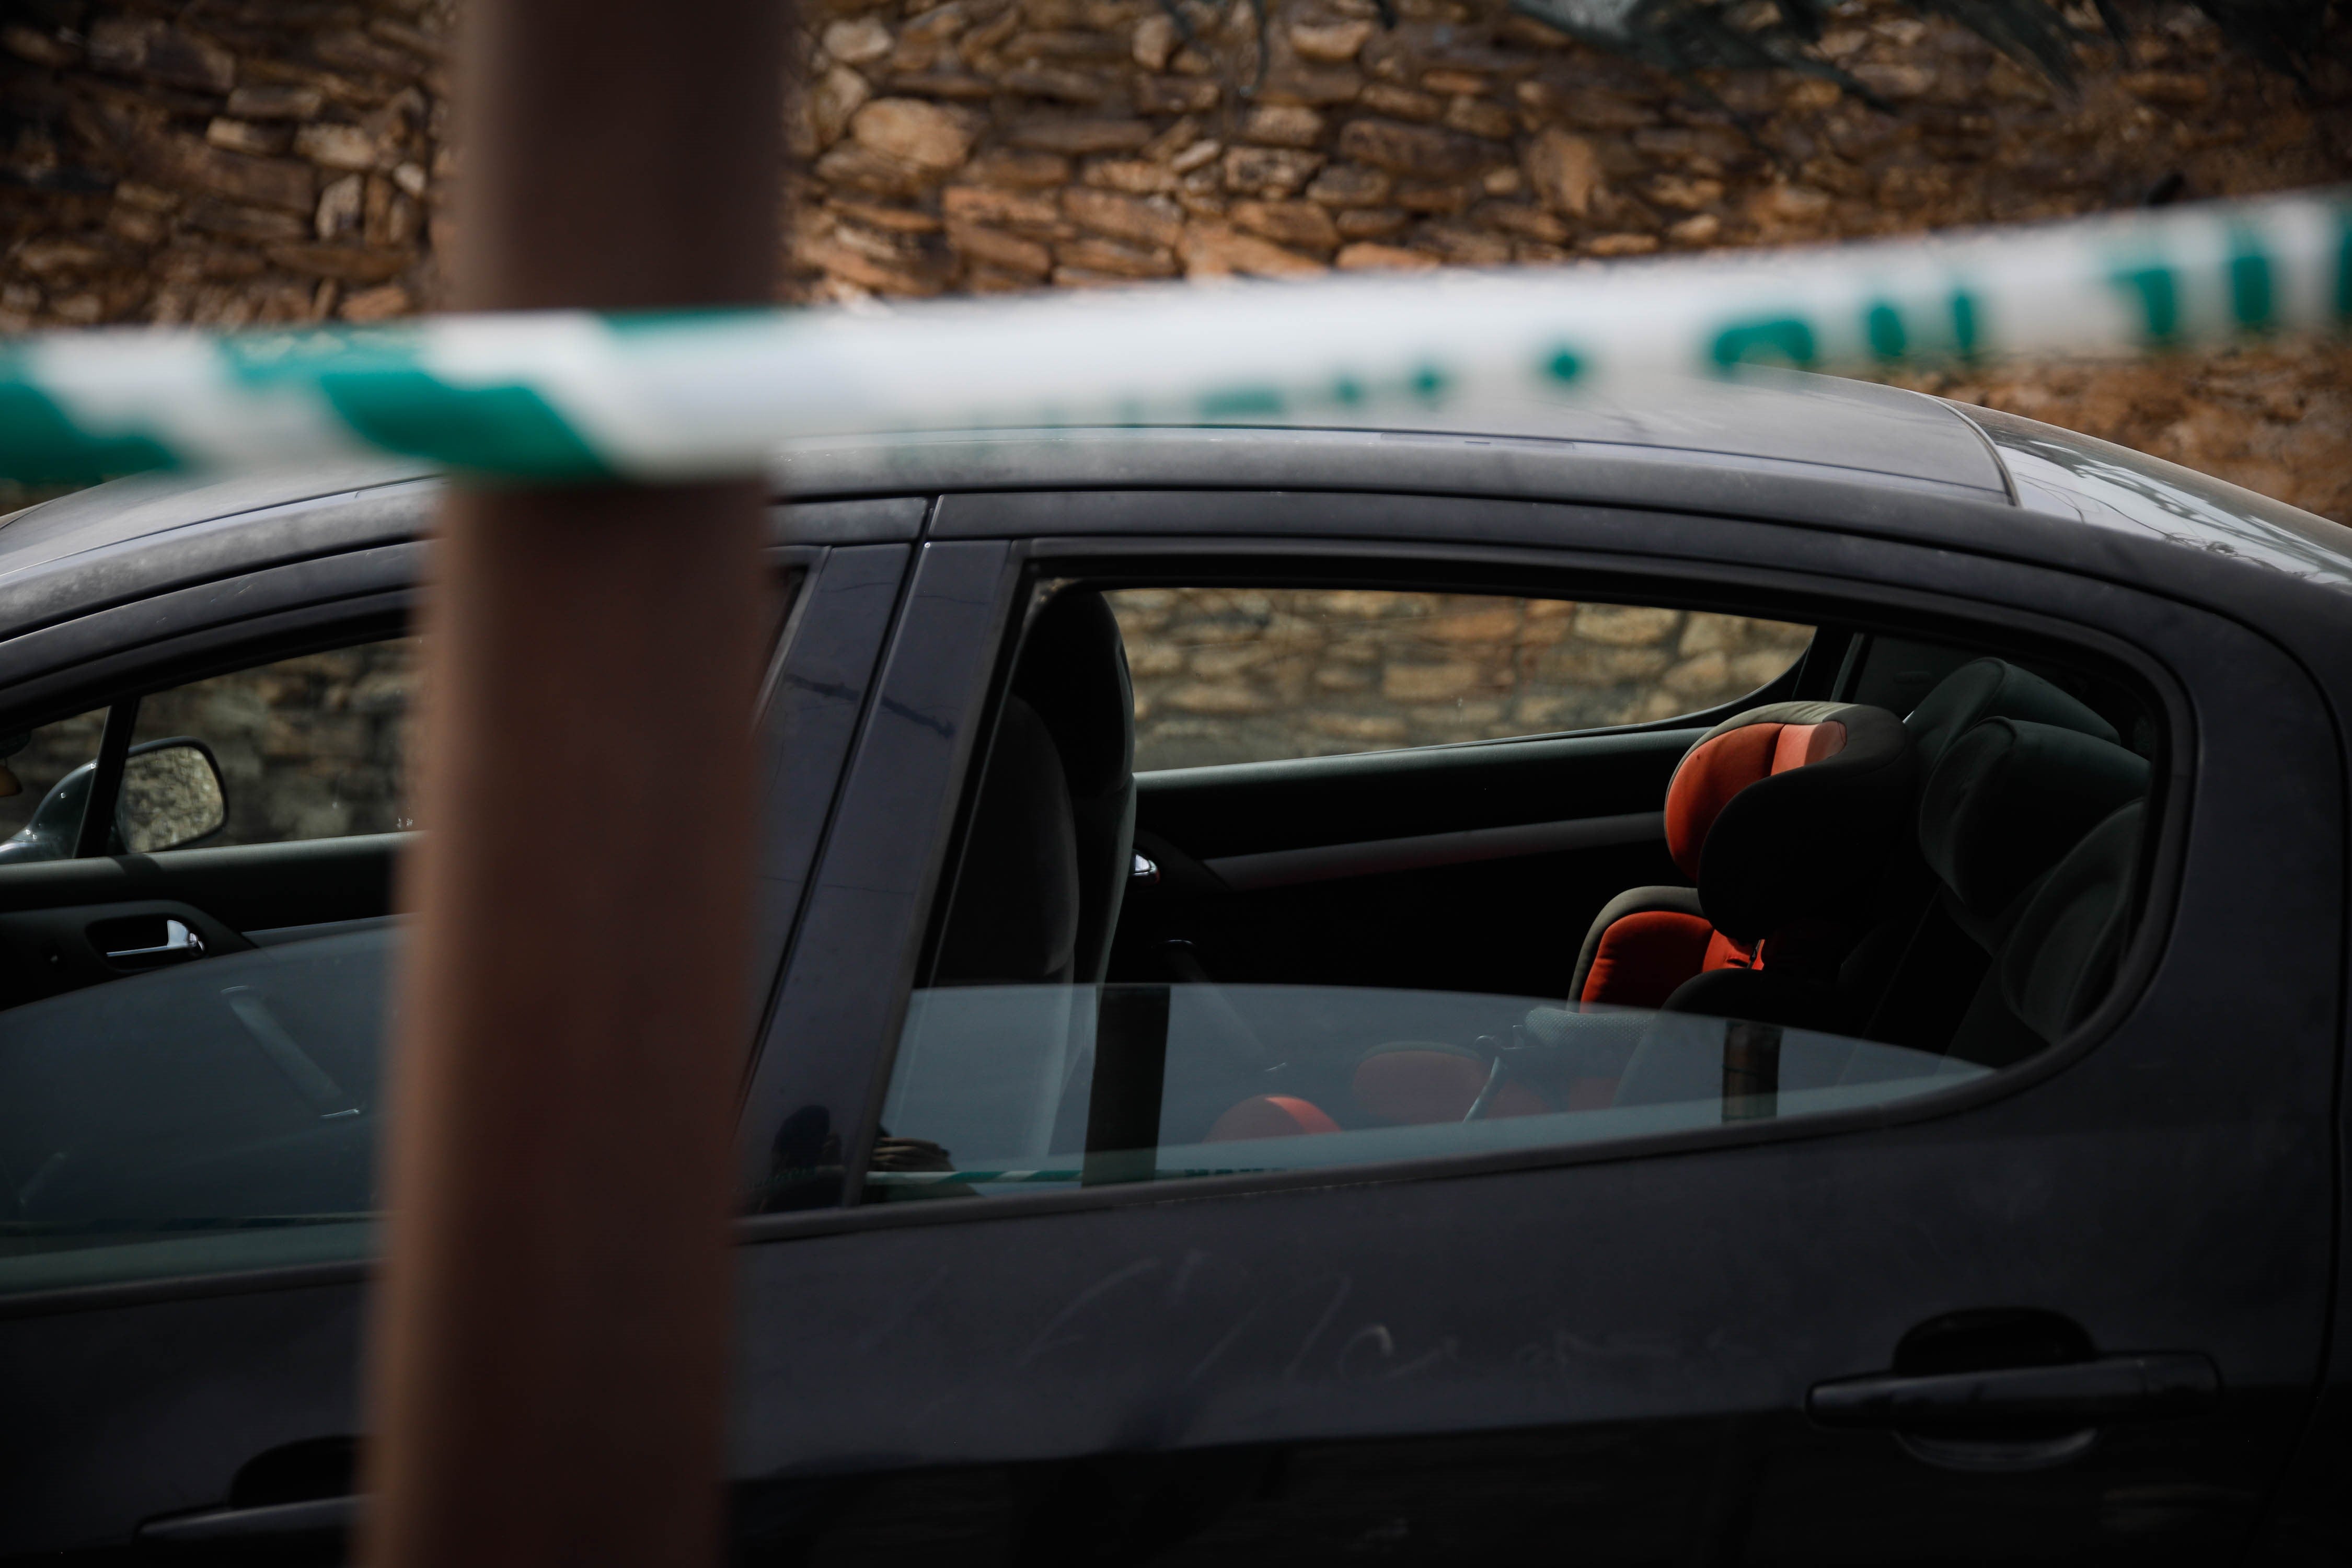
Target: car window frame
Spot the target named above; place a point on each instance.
(1855, 604)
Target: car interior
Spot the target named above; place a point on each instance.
(1897, 859)
(1917, 848)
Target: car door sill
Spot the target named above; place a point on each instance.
(1330, 862)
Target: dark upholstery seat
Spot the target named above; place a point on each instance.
(2029, 743)
(2017, 771)
(1073, 673)
(2032, 833)
(1995, 688)
(1052, 837)
(1017, 892)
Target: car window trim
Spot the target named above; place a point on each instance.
(96, 827)
(1851, 602)
(1420, 851)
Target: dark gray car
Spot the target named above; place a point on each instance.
(1753, 977)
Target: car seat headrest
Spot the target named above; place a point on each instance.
(1789, 811)
(1073, 672)
(2010, 798)
(1015, 916)
(1993, 687)
(2061, 960)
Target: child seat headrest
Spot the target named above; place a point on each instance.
(1791, 811)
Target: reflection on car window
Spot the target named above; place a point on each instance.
(38, 820)
(311, 747)
(216, 1115)
(1005, 1088)
(1250, 675)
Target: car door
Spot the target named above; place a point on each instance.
(1741, 1338)
(180, 1332)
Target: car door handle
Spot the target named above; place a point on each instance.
(256, 1526)
(179, 943)
(2118, 1388)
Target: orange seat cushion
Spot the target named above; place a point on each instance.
(1270, 1116)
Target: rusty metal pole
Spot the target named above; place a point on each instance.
(549, 1346)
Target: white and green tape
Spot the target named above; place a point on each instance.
(565, 396)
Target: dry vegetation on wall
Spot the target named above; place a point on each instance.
(237, 162)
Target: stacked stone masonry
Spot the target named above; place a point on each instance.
(310, 747)
(253, 161)
(226, 163)
(1245, 674)
(988, 145)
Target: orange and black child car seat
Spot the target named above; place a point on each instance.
(1787, 817)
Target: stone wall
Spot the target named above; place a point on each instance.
(984, 145)
(252, 161)
(311, 747)
(221, 161)
(1239, 675)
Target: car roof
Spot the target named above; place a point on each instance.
(1844, 427)
(1772, 445)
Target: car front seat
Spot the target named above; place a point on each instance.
(1073, 674)
(1015, 917)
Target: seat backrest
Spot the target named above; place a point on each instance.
(1789, 814)
(1995, 688)
(1073, 674)
(1982, 688)
(2061, 960)
(2010, 803)
(2007, 803)
(1015, 920)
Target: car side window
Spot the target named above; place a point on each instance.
(1829, 905)
(1250, 675)
(315, 746)
(39, 818)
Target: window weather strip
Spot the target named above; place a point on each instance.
(1329, 862)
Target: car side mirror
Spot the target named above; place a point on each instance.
(171, 796)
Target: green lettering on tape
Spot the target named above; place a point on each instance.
(40, 445)
(1965, 326)
(2159, 298)
(1783, 338)
(1242, 402)
(1884, 326)
(2344, 266)
(503, 430)
(2250, 283)
(375, 382)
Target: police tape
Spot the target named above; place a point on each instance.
(570, 396)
